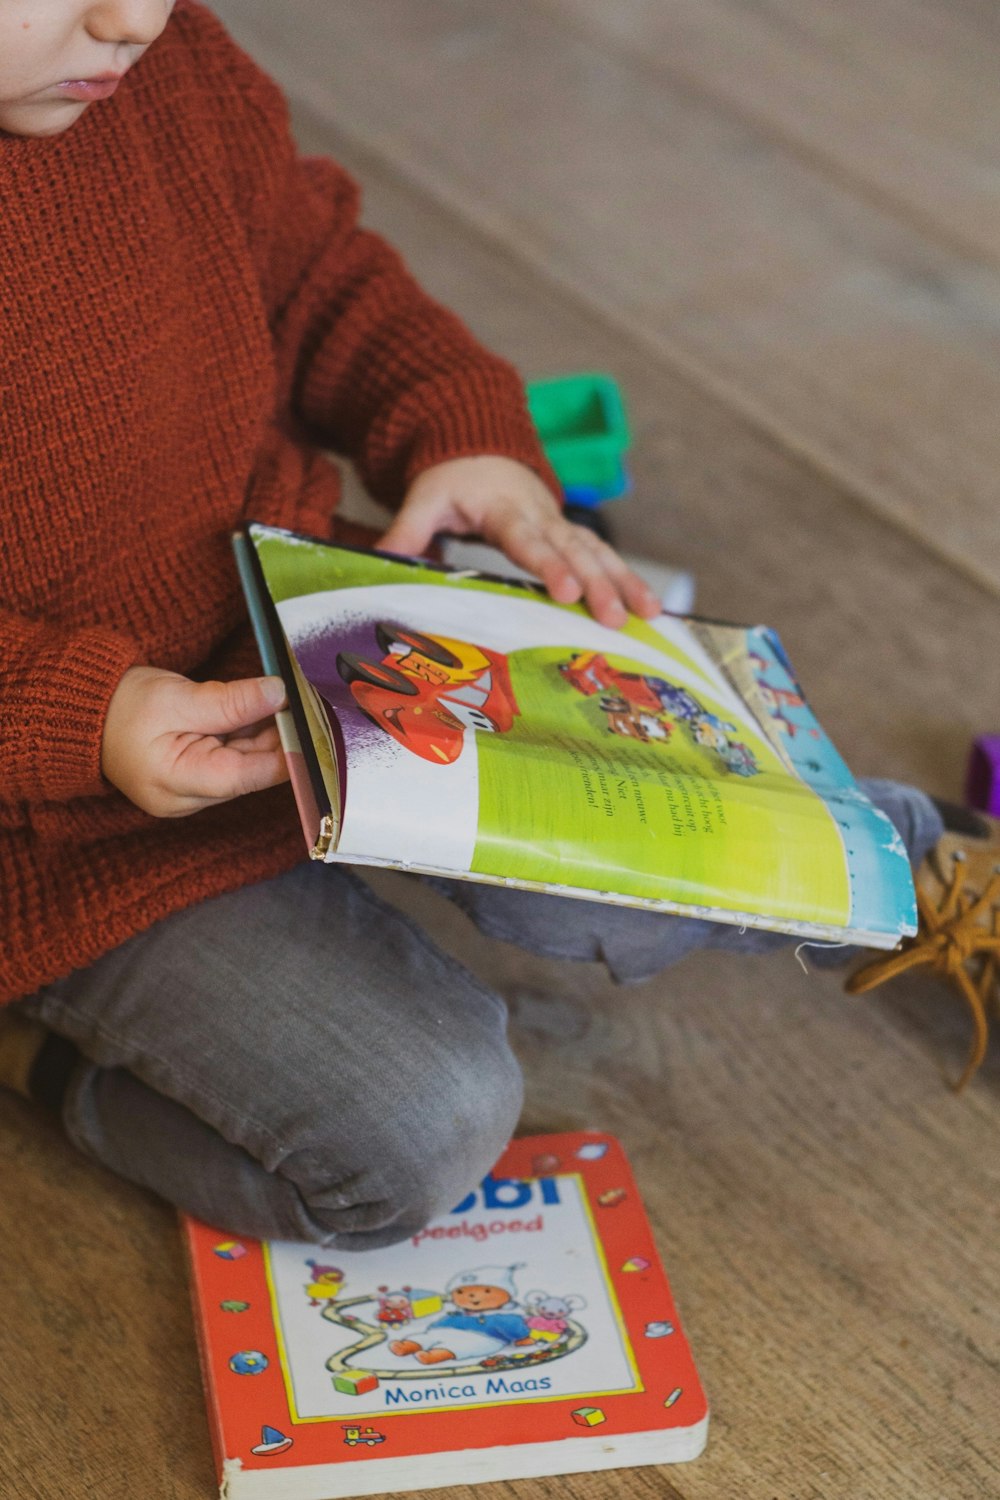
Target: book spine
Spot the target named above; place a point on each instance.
(314, 815)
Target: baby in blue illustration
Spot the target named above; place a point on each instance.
(486, 1319)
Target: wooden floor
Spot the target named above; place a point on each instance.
(778, 224)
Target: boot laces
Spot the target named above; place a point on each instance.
(958, 938)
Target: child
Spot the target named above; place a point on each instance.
(191, 312)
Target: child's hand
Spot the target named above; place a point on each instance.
(508, 505)
(174, 746)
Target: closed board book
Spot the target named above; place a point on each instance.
(530, 1331)
(467, 726)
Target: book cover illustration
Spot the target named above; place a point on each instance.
(529, 1331)
(472, 726)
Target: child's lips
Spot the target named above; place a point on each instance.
(85, 90)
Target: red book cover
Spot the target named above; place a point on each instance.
(530, 1331)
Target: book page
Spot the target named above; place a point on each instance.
(489, 731)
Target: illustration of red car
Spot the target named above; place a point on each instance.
(590, 673)
(427, 690)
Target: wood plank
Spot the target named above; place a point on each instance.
(826, 1207)
(865, 347)
(896, 98)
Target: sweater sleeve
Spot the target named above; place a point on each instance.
(55, 686)
(374, 367)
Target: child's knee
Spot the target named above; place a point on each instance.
(406, 1166)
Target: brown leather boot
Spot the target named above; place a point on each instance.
(958, 901)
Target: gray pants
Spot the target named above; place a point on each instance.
(298, 1060)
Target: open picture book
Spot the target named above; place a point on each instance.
(529, 1331)
(465, 725)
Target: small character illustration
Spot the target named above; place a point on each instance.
(232, 1306)
(740, 759)
(394, 1307)
(705, 732)
(362, 1437)
(737, 757)
(427, 690)
(486, 1319)
(326, 1283)
(548, 1316)
(776, 698)
(633, 723)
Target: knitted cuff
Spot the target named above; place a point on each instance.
(480, 410)
(56, 708)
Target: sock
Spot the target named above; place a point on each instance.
(958, 819)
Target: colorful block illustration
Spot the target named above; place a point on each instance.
(545, 1335)
(636, 1263)
(355, 1382)
(588, 1416)
(423, 1303)
(230, 1250)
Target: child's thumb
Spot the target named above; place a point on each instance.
(221, 707)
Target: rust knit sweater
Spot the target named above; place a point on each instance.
(189, 312)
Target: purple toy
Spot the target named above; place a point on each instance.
(982, 777)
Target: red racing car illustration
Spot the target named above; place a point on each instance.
(591, 673)
(428, 689)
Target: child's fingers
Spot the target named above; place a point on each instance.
(530, 548)
(588, 558)
(633, 591)
(256, 737)
(574, 562)
(208, 771)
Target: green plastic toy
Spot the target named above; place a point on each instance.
(584, 430)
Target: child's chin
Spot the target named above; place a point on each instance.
(35, 123)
